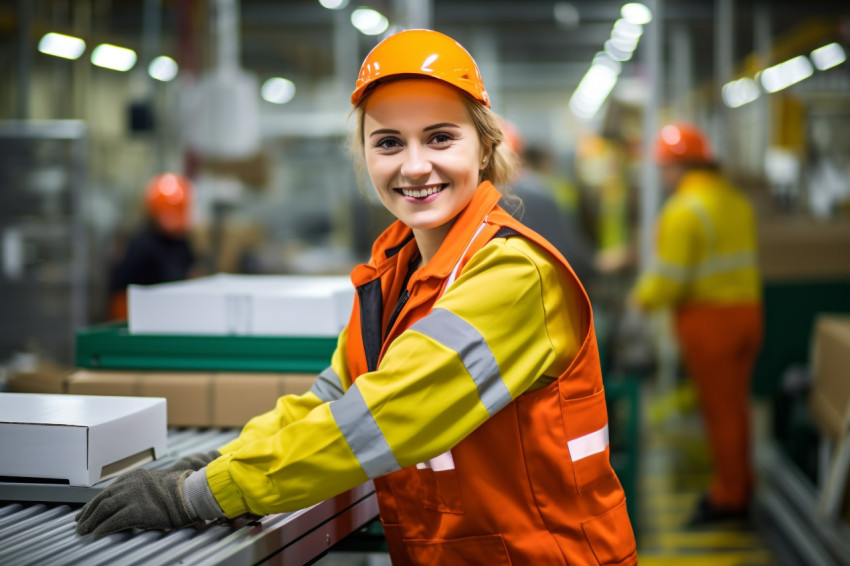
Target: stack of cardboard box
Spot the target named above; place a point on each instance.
(829, 403)
(218, 399)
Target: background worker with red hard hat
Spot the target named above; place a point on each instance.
(467, 383)
(160, 252)
(704, 268)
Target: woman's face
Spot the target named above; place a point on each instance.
(422, 152)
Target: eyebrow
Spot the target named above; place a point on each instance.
(427, 129)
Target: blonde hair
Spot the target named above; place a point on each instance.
(502, 163)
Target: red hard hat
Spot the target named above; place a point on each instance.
(513, 139)
(425, 53)
(168, 198)
(683, 143)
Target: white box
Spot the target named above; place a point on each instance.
(248, 305)
(77, 439)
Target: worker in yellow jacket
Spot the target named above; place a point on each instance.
(704, 268)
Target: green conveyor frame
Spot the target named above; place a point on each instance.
(112, 346)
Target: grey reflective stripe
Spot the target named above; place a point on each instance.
(670, 271)
(363, 435)
(455, 333)
(712, 266)
(328, 386)
(726, 263)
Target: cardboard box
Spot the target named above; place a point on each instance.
(197, 398)
(243, 305)
(41, 377)
(77, 440)
(829, 400)
(803, 249)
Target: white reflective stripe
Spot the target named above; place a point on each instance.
(441, 463)
(453, 274)
(715, 265)
(671, 271)
(726, 263)
(589, 444)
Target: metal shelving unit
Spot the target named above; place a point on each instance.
(43, 251)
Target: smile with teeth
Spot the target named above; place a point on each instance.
(421, 192)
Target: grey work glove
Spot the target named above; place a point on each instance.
(194, 461)
(144, 499)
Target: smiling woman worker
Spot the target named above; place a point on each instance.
(467, 383)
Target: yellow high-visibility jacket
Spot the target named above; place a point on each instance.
(705, 249)
(296, 455)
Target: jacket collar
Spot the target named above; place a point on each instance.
(699, 179)
(398, 239)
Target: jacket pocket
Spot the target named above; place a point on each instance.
(611, 537)
(489, 549)
(440, 491)
(586, 428)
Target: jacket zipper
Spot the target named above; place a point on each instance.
(402, 300)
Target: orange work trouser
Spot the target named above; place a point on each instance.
(719, 345)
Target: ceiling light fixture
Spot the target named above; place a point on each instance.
(783, 75)
(593, 89)
(278, 90)
(636, 13)
(369, 21)
(60, 45)
(828, 56)
(163, 68)
(737, 93)
(334, 4)
(113, 57)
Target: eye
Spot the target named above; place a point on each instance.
(388, 142)
(442, 138)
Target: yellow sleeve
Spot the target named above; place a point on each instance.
(488, 339)
(679, 243)
(330, 384)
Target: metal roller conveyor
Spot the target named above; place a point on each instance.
(37, 524)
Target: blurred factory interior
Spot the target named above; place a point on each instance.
(250, 100)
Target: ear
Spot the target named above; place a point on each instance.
(486, 154)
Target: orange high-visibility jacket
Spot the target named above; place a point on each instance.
(478, 410)
(533, 483)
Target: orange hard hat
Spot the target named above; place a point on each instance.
(421, 52)
(683, 143)
(168, 198)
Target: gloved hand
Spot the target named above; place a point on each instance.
(194, 461)
(144, 499)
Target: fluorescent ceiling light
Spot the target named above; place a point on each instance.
(624, 44)
(566, 14)
(605, 60)
(636, 13)
(828, 56)
(334, 4)
(65, 46)
(163, 68)
(740, 92)
(622, 28)
(592, 91)
(616, 53)
(369, 21)
(783, 75)
(278, 90)
(113, 57)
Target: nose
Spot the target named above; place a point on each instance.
(416, 163)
